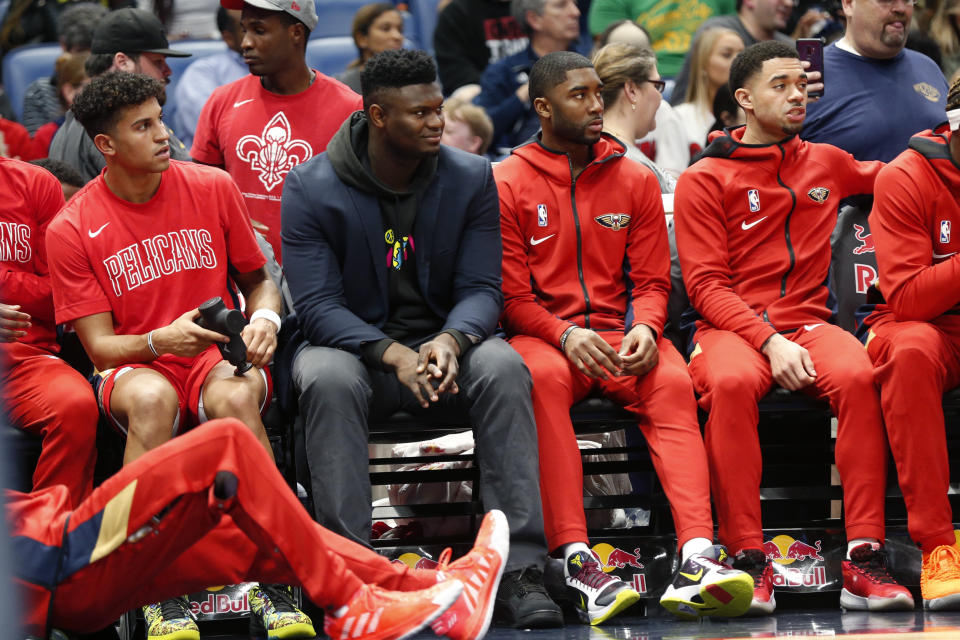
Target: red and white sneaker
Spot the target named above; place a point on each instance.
(754, 562)
(377, 614)
(868, 586)
(479, 571)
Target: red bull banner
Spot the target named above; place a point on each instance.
(225, 602)
(805, 561)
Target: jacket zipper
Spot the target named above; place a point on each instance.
(576, 222)
(786, 228)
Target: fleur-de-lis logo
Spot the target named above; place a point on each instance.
(615, 221)
(274, 152)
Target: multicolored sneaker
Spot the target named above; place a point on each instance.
(940, 579)
(479, 571)
(274, 614)
(868, 586)
(706, 585)
(377, 614)
(598, 596)
(170, 620)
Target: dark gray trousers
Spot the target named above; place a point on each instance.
(338, 394)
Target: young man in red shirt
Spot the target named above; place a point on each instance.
(261, 126)
(211, 506)
(914, 337)
(42, 394)
(132, 256)
(753, 222)
(586, 273)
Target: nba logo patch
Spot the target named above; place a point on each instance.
(541, 215)
(944, 231)
(753, 197)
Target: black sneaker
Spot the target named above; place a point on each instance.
(522, 601)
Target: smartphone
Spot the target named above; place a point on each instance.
(811, 49)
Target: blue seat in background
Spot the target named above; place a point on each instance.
(199, 49)
(336, 17)
(25, 64)
(331, 55)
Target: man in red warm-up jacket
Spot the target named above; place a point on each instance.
(753, 222)
(586, 274)
(914, 337)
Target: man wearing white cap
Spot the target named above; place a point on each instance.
(914, 337)
(261, 126)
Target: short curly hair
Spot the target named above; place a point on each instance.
(394, 69)
(750, 60)
(99, 106)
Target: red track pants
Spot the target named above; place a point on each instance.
(156, 530)
(48, 398)
(663, 400)
(731, 377)
(916, 362)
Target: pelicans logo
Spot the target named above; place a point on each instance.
(615, 221)
(273, 153)
(819, 194)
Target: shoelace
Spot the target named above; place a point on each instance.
(282, 598)
(175, 609)
(946, 563)
(533, 583)
(591, 575)
(443, 561)
(754, 563)
(874, 565)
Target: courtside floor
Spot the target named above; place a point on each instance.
(822, 622)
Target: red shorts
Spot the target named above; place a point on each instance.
(186, 375)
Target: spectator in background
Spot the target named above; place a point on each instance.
(632, 90)
(70, 180)
(551, 25)
(207, 73)
(666, 143)
(869, 68)
(184, 18)
(713, 52)
(670, 23)
(70, 76)
(376, 27)
(259, 127)
(466, 127)
(127, 40)
(945, 30)
(42, 102)
(470, 35)
(726, 111)
(754, 21)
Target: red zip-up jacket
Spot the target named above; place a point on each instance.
(590, 251)
(915, 224)
(753, 225)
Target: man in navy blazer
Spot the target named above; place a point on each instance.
(392, 249)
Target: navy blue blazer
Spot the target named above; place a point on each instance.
(334, 253)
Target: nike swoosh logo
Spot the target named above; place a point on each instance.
(94, 234)
(693, 576)
(945, 255)
(538, 241)
(241, 103)
(746, 226)
(811, 327)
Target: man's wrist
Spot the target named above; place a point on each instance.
(267, 314)
(565, 335)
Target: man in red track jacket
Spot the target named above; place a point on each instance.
(753, 223)
(585, 279)
(914, 338)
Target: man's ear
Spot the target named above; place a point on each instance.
(377, 116)
(744, 98)
(123, 62)
(542, 106)
(298, 33)
(104, 144)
